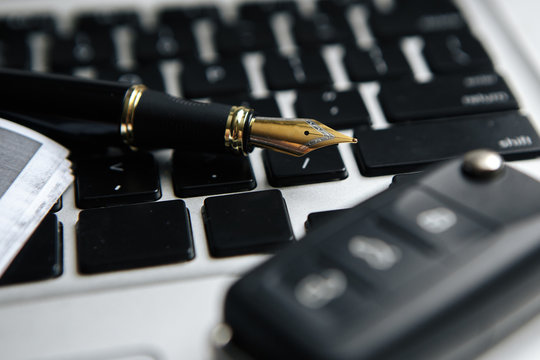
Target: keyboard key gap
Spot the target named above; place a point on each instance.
(412, 47)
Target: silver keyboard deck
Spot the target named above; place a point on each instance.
(168, 312)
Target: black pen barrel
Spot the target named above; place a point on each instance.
(69, 109)
(59, 95)
(162, 120)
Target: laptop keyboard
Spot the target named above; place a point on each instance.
(411, 82)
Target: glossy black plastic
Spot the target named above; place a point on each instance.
(77, 111)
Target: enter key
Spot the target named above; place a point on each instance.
(407, 100)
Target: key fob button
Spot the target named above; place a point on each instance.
(432, 222)
(376, 256)
(376, 253)
(318, 291)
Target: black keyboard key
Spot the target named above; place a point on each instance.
(15, 52)
(82, 50)
(57, 205)
(404, 178)
(247, 223)
(406, 100)
(385, 61)
(339, 110)
(405, 148)
(196, 174)
(105, 181)
(164, 43)
(41, 257)
(225, 77)
(417, 17)
(183, 17)
(182, 20)
(361, 67)
(295, 71)
(262, 11)
(133, 236)
(157, 45)
(318, 166)
(321, 28)
(148, 75)
(319, 218)
(244, 36)
(106, 21)
(262, 106)
(26, 23)
(337, 7)
(457, 52)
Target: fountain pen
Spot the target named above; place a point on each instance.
(145, 118)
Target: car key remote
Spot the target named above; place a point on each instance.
(437, 267)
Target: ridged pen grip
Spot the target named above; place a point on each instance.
(162, 120)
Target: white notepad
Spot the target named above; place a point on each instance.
(34, 172)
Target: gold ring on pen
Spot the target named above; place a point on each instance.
(234, 129)
(131, 100)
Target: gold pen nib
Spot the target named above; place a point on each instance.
(293, 136)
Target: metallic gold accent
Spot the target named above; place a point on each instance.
(234, 129)
(131, 100)
(294, 136)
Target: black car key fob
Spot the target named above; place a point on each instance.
(440, 266)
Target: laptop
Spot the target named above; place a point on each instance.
(108, 290)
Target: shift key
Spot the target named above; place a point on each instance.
(407, 100)
(410, 147)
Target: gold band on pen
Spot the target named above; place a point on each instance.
(131, 100)
(234, 129)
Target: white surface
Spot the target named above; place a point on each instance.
(170, 320)
(167, 312)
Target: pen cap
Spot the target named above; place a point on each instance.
(161, 120)
(53, 95)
